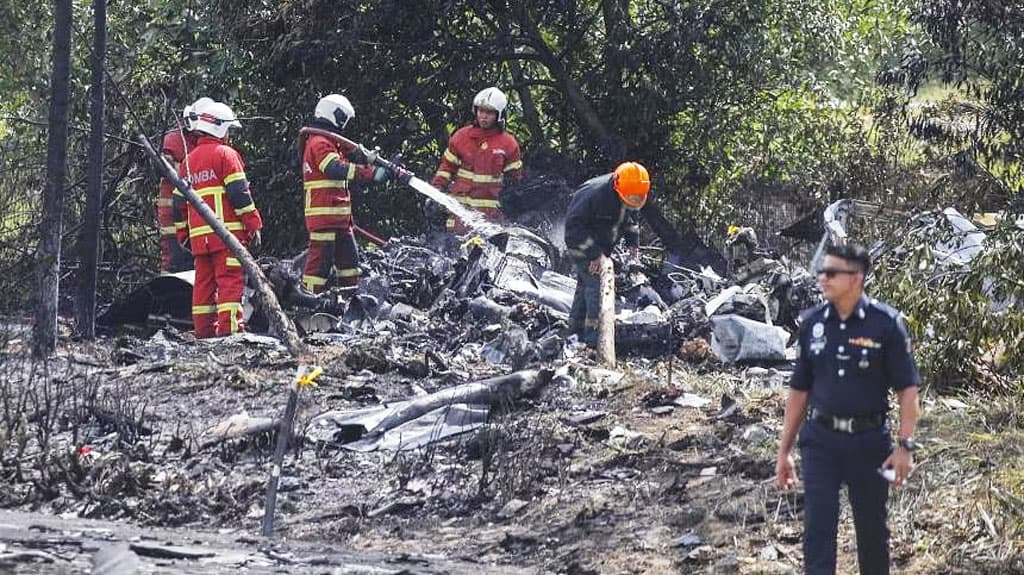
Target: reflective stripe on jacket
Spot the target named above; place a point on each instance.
(596, 220)
(326, 175)
(217, 175)
(475, 164)
(165, 209)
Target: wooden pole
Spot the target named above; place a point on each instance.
(281, 325)
(606, 316)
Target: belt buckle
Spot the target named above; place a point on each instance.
(842, 424)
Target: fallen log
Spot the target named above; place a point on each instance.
(281, 326)
(372, 422)
(238, 426)
(493, 391)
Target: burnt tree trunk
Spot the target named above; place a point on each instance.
(530, 113)
(88, 241)
(612, 145)
(44, 337)
(521, 86)
(616, 31)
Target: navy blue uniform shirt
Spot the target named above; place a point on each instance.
(597, 219)
(849, 366)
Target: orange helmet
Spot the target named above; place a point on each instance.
(632, 183)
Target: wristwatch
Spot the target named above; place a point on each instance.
(909, 444)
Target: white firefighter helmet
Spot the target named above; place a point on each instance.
(213, 118)
(189, 114)
(336, 109)
(491, 99)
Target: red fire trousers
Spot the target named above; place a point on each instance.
(217, 294)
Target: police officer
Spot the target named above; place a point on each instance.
(853, 349)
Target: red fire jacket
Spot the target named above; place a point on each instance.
(217, 174)
(174, 147)
(326, 175)
(478, 160)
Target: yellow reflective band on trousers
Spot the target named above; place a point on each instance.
(347, 272)
(164, 202)
(232, 263)
(229, 306)
(322, 236)
(168, 230)
(312, 282)
(338, 211)
(478, 202)
(233, 308)
(203, 309)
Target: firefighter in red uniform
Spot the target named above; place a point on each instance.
(327, 175)
(173, 257)
(217, 175)
(478, 158)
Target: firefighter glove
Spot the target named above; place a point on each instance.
(255, 240)
(369, 155)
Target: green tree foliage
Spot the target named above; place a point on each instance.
(914, 103)
(955, 106)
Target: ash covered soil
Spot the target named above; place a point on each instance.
(660, 467)
(152, 449)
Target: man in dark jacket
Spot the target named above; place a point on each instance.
(602, 211)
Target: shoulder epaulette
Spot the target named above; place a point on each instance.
(807, 313)
(885, 308)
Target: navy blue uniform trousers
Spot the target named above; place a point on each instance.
(586, 303)
(830, 459)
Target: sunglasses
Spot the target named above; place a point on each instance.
(833, 272)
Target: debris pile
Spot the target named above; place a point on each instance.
(455, 417)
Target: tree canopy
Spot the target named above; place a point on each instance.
(731, 104)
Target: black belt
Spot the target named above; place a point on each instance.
(857, 424)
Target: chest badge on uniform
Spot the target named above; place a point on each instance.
(864, 363)
(817, 338)
(483, 145)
